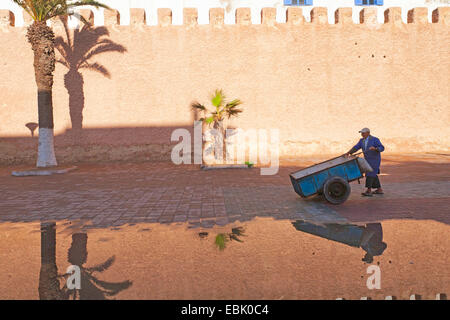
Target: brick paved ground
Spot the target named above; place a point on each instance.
(110, 195)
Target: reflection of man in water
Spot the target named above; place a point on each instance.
(368, 237)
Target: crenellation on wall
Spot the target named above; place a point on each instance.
(441, 15)
(319, 15)
(216, 16)
(27, 19)
(137, 17)
(294, 16)
(164, 17)
(7, 19)
(269, 16)
(368, 16)
(343, 16)
(418, 15)
(190, 16)
(88, 15)
(111, 17)
(243, 16)
(58, 22)
(393, 16)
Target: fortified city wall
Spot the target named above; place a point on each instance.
(318, 83)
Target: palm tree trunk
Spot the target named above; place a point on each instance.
(219, 143)
(42, 41)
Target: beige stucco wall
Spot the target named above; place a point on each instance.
(317, 83)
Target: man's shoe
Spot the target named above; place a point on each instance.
(366, 194)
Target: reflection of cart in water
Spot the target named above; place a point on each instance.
(330, 178)
(369, 237)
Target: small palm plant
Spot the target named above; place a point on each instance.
(223, 110)
(42, 40)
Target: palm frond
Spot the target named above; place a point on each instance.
(233, 103)
(26, 5)
(222, 109)
(43, 10)
(209, 120)
(233, 112)
(81, 3)
(196, 105)
(218, 99)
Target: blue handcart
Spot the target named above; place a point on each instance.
(330, 178)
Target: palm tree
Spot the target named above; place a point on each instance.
(42, 40)
(222, 110)
(76, 54)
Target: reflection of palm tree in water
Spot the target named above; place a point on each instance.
(235, 234)
(91, 287)
(48, 276)
(368, 237)
(76, 53)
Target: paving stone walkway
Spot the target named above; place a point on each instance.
(111, 195)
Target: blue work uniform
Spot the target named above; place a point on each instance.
(373, 157)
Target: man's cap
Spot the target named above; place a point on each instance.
(364, 130)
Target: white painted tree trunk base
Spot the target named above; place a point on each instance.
(46, 151)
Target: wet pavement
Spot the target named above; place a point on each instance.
(160, 231)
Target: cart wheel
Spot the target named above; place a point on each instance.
(336, 190)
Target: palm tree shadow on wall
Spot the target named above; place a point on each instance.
(77, 52)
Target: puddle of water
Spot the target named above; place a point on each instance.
(259, 259)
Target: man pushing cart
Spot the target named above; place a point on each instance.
(331, 178)
(371, 147)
